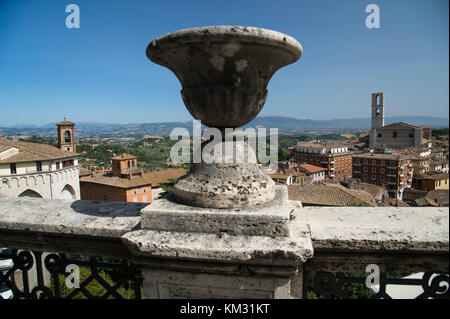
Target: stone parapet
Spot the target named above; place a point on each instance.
(223, 264)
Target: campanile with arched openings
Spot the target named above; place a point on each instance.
(66, 135)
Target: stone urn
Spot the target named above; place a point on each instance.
(224, 72)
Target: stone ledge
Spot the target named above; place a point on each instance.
(65, 217)
(268, 219)
(366, 229)
(225, 248)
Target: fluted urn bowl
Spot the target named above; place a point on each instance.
(224, 70)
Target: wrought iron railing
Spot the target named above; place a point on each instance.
(340, 285)
(36, 275)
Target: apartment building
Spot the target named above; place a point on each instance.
(335, 158)
(392, 171)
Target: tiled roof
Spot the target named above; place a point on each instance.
(278, 176)
(33, 152)
(163, 176)
(4, 148)
(65, 123)
(435, 176)
(83, 172)
(293, 172)
(151, 178)
(311, 169)
(439, 197)
(133, 170)
(372, 189)
(123, 156)
(109, 180)
(400, 124)
(382, 156)
(330, 195)
(317, 145)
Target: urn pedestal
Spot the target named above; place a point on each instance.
(225, 231)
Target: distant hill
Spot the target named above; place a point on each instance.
(284, 125)
(290, 124)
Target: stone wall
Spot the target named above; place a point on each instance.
(58, 184)
(231, 263)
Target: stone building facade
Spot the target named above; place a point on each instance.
(393, 172)
(37, 170)
(395, 135)
(335, 158)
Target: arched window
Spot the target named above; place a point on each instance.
(30, 193)
(67, 138)
(68, 192)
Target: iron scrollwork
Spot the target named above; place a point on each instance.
(36, 275)
(330, 285)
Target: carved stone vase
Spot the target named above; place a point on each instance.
(224, 72)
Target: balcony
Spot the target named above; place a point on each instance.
(356, 164)
(140, 261)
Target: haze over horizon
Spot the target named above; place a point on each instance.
(99, 73)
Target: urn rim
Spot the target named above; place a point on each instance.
(224, 33)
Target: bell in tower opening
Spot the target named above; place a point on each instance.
(66, 135)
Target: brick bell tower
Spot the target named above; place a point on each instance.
(66, 135)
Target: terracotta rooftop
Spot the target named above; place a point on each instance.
(401, 124)
(317, 145)
(330, 195)
(311, 169)
(83, 172)
(151, 178)
(32, 152)
(109, 180)
(435, 176)
(65, 123)
(383, 156)
(293, 172)
(372, 189)
(123, 156)
(278, 176)
(439, 197)
(164, 176)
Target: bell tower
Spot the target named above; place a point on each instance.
(66, 135)
(377, 110)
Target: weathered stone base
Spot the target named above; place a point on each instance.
(268, 219)
(159, 284)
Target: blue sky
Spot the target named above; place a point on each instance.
(100, 72)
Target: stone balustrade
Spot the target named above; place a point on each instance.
(256, 257)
